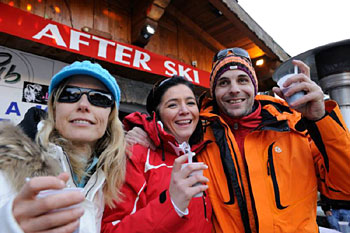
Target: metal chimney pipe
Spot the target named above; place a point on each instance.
(333, 68)
(338, 88)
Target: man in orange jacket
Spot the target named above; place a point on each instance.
(268, 160)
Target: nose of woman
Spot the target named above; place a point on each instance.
(184, 110)
(83, 103)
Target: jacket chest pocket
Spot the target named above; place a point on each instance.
(291, 172)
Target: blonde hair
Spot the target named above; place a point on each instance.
(110, 148)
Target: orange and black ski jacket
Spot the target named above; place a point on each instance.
(288, 159)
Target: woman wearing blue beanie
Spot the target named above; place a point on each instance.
(81, 137)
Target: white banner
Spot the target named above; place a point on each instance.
(24, 79)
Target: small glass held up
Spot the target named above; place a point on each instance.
(45, 193)
(281, 80)
(187, 150)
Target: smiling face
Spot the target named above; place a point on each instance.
(234, 93)
(179, 112)
(81, 122)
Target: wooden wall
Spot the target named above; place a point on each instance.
(114, 17)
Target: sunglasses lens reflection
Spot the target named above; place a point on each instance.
(95, 97)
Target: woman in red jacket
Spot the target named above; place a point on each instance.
(159, 195)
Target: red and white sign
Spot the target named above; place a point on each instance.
(25, 25)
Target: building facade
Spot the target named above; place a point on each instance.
(139, 42)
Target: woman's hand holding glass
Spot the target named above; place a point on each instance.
(39, 215)
(181, 188)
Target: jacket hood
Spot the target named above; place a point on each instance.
(157, 134)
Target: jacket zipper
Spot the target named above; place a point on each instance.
(244, 206)
(271, 172)
(246, 224)
(205, 205)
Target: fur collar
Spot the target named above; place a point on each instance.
(20, 157)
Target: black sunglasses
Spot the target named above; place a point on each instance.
(235, 51)
(98, 98)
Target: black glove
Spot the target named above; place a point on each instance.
(30, 121)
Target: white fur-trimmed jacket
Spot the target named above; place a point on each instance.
(11, 175)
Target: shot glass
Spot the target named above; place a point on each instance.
(45, 193)
(284, 90)
(293, 97)
(200, 172)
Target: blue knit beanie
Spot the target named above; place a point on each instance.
(91, 69)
